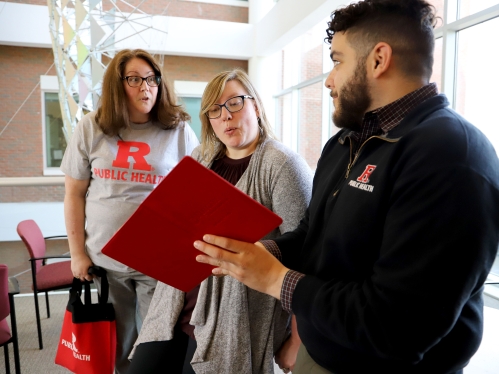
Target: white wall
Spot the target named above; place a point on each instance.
(49, 216)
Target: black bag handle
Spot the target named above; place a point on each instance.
(101, 273)
(88, 312)
(76, 288)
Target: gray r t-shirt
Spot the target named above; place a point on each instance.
(122, 173)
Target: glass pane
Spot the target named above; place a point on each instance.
(478, 78)
(477, 81)
(310, 123)
(283, 125)
(468, 7)
(288, 74)
(301, 59)
(437, 64)
(192, 106)
(311, 51)
(54, 135)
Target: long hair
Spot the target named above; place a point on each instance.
(407, 26)
(112, 114)
(211, 147)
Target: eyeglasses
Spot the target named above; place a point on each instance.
(234, 104)
(152, 80)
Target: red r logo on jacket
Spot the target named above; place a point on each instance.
(364, 178)
(137, 151)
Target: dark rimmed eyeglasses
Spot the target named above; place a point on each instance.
(234, 104)
(134, 81)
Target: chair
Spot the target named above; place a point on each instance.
(6, 308)
(46, 277)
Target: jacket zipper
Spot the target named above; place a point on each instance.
(352, 162)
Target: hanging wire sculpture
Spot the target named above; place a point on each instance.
(85, 37)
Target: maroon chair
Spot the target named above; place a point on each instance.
(46, 277)
(7, 307)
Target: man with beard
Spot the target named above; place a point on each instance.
(403, 227)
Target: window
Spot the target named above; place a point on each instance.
(54, 135)
(468, 75)
(192, 106)
(189, 94)
(310, 118)
(477, 78)
(469, 7)
(437, 64)
(54, 140)
(303, 110)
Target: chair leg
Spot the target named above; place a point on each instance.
(38, 323)
(47, 303)
(7, 362)
(17, 361)
(15, 341)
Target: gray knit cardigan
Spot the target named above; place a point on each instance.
(237, 329)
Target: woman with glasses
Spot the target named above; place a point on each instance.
(228, 327)
(114, 157)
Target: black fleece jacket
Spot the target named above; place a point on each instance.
(396, 245)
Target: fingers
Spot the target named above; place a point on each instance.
(220, 251)
(215, 256)
(83, 277)
(82, 274)
(225, 243)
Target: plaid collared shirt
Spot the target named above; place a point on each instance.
(377, 122)
(382, 120)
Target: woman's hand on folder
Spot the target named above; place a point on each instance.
(249, 263)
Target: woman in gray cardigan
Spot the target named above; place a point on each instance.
(235, 329)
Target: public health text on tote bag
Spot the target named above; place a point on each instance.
(88, 338)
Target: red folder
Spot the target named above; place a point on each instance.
(190, 201)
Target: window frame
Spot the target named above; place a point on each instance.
(189, 89)
(448, 31)
(48, 84)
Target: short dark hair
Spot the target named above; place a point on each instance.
(112, 114)
(406, 25)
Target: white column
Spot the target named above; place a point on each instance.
(260, 68)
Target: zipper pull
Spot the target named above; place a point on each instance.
(348, 171)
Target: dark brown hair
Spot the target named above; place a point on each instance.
(406, 25)
(112, 114)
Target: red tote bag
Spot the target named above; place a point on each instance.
(88, 338)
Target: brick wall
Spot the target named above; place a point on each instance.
(21, 144)
(31, 194)
(176, 8)
(198, 69)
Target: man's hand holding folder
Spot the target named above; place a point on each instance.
(176, 214)
(251, 264)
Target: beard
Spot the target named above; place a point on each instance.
(353, 100)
